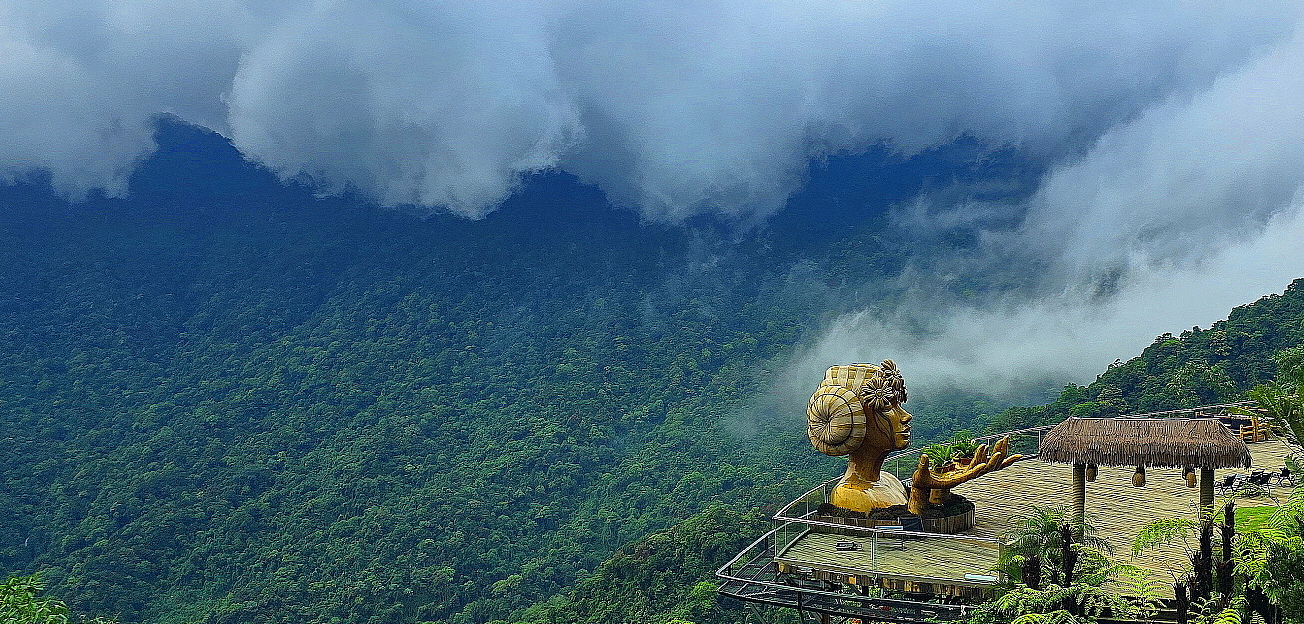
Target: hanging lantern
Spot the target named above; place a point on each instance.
(1091, 472)
(1139, 477)
(1189, 473)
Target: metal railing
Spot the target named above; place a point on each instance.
(903, 464)
(799, 516)
(1204, 411)
(753, 573)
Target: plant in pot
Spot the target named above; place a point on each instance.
(939, 456)
(962, 447)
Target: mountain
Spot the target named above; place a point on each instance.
(664, 577)
(224, 399)
(1196, 367)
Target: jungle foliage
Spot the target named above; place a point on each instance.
(225, 400)
(222, 405)
(1196, 367)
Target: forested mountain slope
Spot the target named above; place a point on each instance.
(1196, 367)
(227, 400)
(657, 579)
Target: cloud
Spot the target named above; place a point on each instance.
(1171, 131)
(1187, 177)
(81, 82)
(1008, 347)
(676, 108)
(1168, 221)
(434, 104)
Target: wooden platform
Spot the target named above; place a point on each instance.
(1115, 507)
(937, 565)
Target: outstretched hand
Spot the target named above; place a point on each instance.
(977, 466)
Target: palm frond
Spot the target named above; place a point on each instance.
(1163, 532)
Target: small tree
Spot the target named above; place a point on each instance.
(19, 604)
(1039, 537)
(1057, 580)
(1270, 559)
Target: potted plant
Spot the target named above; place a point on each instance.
(962, 447)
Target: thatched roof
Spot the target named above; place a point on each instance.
(1169, 442)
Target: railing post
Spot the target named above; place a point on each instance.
(873, 551)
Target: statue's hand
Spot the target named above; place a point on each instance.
(979, 465)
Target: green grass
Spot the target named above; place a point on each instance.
(1251, 518)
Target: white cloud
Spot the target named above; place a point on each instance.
(675, 107)
(436, 104)
(1174, 128)
(1186, 178)
(81, 81)
(1004, 347)
(1189, 210)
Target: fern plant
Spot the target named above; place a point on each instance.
(1271, 557)
(1212, 611)
(1038, 535)
(1163, 532)
(1143, 591)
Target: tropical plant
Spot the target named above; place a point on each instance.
(1035, 551)
(1271, 558)
(19, 604)
(1163, 532)
(1087, 599)
(1283, 398)
(1060, 572)
(938, 454)
(963, 444)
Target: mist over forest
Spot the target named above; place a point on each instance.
(430, 311)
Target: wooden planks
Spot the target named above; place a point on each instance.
(910, 557)
(1115, 507)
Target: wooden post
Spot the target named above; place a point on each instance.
(1206, 490)
(1079, 498)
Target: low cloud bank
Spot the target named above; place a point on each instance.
(1167, 222)
(1002, 348)
(1173, 131)
(676, 108)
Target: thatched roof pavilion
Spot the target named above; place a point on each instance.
(1159, 442)
(1190, 443)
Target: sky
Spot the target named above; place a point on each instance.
(1172, 133)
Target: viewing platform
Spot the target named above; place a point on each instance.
(831, 566)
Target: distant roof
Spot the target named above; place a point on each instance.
(1169, 442)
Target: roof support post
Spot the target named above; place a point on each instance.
(1206, 491)
(1079, 499)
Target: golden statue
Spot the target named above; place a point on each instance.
(856, 411)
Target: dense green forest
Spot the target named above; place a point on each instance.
(226, 405)
(226, 400)
(1197, 367)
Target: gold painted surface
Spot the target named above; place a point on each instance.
(1114, 506)
(857, 411)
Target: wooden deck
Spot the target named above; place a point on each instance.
(932, 559)
(1115, 507)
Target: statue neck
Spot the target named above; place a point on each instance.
(864, 465)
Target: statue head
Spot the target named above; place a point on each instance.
(858, 407)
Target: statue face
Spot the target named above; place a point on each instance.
(889, 430)
(899, 419)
